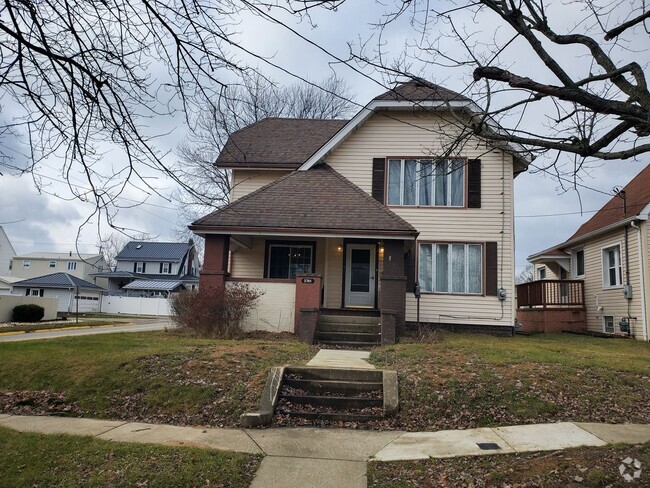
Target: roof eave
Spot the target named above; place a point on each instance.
(202, 231)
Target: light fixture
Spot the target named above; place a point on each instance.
(339, 248)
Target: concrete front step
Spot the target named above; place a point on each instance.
(335, 417)
(348, 327)
(334, 386)
(349, 319)
(354, 344)
(358, 375)
(346, 337)
(338, 402)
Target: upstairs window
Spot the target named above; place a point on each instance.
(422, 182)
(285, 261)
(26, 264)
(52, 264)
(578, 263)
(541, 273)
(139, 267)
(165, 268)
(72, 265)
(612, 266)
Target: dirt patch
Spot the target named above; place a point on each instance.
(38, 403)
(583, 467)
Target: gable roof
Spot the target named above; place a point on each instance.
(319, 201)
(66, 256)
(280, 143)
(637, 194)
(154, 251)
(420, 90)
(57, 280)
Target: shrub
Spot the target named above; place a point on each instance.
(28, 313)
(211, 316)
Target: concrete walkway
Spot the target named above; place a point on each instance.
(337, 358)
(312, 457)
(161, 324)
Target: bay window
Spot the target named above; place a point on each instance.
(424, 182)
(451, 268)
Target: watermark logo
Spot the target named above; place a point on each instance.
(630, 469)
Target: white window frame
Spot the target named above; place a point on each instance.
(34, 292)
(139, 267)
(539, 271)
(26, 263)
(574, 262)
(449, 267)
(618, 267)
(166, 268)
(72, 265)
(418, 172)
(605, 317)
(52, 264)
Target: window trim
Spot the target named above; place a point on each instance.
(137, 263)
(52, 264)
(27, 263)
(483, 292)
(605, 324)
(605, 277)
(72, 266)
(538, 272)
(169, 267)
(267, 255)
(574, 263)
(465, 160)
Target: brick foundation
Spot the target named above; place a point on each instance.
(309, 318)
(215, 263)
(387, 327)
(308, 295)
(392, 295)
(550, 320)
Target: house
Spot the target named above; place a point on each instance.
(6, 284)
(337, 219)
(147, 268)
(595, 281)
(6, 253)
(71, 291)
(35, 264)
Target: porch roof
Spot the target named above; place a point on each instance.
(306, 202)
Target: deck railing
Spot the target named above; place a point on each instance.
(551, 294)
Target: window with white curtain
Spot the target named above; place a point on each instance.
(425, 183)
(451, 268)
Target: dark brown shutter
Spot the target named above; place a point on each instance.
(160, 272)
(491, 268)
(474, 183)
(135, 267)
(409, 269)
(378, 178)
(27, 292)
(144, 268)
(41, 292)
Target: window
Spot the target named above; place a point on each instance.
(52, 264)
(451, 268)
(35, 292)
(72, 265)
(285, 261)
(26, 264)
(425, 183)
(166, 268)
(541, 273)
(612, 266)
(579, 263)
(608, 324)
(139, 267)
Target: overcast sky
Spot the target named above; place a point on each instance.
(545, 214)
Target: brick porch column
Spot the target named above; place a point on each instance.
(308, 296)
(215, 263)
(392, 295)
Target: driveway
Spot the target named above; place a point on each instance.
(145, 326)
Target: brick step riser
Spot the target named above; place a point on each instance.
(347, 337)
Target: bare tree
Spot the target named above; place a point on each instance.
(526, 275)
(552, 77)
(256, 99)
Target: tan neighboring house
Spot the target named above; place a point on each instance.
(600, 272)
(338, 219)
(7, 253)
(82, 266)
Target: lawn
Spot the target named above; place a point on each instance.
(467, 381)
(162, 377)
(60, 460)
(583, 467)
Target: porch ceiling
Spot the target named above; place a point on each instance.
(318, 202)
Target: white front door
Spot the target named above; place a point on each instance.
(360, 275)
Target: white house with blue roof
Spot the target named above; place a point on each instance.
(71, 291)
(147, 268)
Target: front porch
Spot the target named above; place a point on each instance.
(305, 278)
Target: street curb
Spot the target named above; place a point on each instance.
(106, 326)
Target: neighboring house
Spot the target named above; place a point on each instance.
(147, 268)
(71, 291)
(335, 217)
(6, 284)
(6, 253)
(600, 272)
(37, 264)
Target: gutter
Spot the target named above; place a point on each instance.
(642, 265)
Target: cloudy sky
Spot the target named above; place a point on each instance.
(546, 214)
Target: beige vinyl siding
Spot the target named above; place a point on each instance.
(333, 281)
(552, 271)
(612, 300)
(245, 181)
(382, 136)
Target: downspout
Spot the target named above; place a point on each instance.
(644, 323)
(627, 281)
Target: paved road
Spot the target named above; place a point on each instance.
(158, 325)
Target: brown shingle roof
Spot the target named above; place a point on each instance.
(419, 90)
(637, 192)
(319, 199)
(277, 142)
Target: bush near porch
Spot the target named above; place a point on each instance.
(462, 381)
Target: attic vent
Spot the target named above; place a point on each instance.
(139, 246)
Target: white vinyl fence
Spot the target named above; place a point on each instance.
(136, 305)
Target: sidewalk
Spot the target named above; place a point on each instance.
(306, 456)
